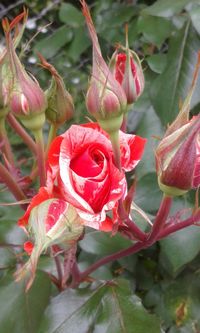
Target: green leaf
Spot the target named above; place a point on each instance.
(148, 26)
(179, 304)
(102, 243)
(149, 127)
(107, 308)
(22, 312)
(166, 8)
(148, 194)
(195, 17)
(174, 83)
(50, 45)
(179, 249)
(79, 44)
(157, 62)
(70, 15)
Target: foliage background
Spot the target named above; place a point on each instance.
(158, 289)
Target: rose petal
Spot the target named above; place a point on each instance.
(42, 195)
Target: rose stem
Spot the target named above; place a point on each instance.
(124, 124)
(40, 155)
(69, 259)
(59, 269)
(51, 137)
(114, 138)
(138, 246)
(180, 225)
(161, 217)
(12, 184)
(75, 273)
(6, 148)
(136, 231)
(22, 133)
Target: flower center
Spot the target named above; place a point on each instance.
(88, 163)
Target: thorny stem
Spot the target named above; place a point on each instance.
(159, 231)
(22, 133)
(6, 148)
(58, 268)
(161, 218)
(69, 260)
(12, 184)
(136, 231)
(40, 156)
(138, 246)
(169, 229)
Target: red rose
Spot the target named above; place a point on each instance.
(81, 170)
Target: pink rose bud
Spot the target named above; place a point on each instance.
(49, 221)
(26, 99)
(5, 74)
(178, 159)
(105, 99)
(178, 154)
(128, 72)
(60, 103)
(127, 69)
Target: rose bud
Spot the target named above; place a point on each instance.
(60, 104)
(26, 99)
(178, 159)
(128, 72)
(52, 221)
(5, 74)
(105, 98)
(178, 154)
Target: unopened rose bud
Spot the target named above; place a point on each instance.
(128, 72)
(178, 159)
(178, 154)
(27, 101)
(127, 69)
(60, 103)
(105, 99)
(5, 73)
(52, 221)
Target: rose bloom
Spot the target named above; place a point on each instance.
(81, 170)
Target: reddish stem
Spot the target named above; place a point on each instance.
(160, 219)
(12, 184)
(6, 147)
(171, 228)
(154, 236)
(138, 246)
(22, 133)
(136, 231)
